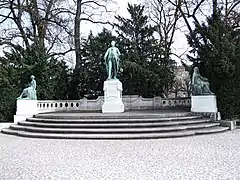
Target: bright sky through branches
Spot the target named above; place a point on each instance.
(180, 45)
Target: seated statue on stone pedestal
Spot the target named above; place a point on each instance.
(200, 85)
(29, 92)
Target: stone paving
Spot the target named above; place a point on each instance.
(147, 113)
(213, 157)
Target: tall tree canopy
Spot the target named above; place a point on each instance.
(94, 70)
(216, 44)
(143, 70)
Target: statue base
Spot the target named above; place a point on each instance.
(112, 97)
(25, 109)
(204, 104)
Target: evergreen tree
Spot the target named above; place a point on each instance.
(8, 91)
(16, 69)
(94, 69)
(143, 70)
(218, 57)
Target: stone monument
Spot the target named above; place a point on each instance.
(202, 100)
(112, 86)
(27, 102)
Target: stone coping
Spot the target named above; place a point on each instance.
(5, 124)
(127, 114)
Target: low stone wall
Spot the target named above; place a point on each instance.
(133, 102)
(5, 125)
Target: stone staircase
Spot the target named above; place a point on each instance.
(128, 125)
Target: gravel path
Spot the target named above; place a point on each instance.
(213, 157)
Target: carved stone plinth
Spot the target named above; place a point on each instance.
(112, 97)
(25, 109)
(204, 104)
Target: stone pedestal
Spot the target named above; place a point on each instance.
(204, 104)
(25, 109)
(112, 97)
(232, 124)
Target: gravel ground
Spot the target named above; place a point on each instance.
(215, 156)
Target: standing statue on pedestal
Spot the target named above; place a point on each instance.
(200, 85)
(112, 86)
(30, 91)
(111, 58)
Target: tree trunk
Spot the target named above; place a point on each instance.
(77, 34)
(41, 36)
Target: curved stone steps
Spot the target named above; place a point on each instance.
(108, 130)
(116, 136)
(127, 125)
(66, 124)
(109, 120)
(99, 116)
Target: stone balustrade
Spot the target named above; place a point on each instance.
(130, 103)
(57, 105)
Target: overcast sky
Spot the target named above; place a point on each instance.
(180, 42)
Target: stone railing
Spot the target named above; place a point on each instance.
(27, 108)
(130, 103)
(57, 105)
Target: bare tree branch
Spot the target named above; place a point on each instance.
(61, 53)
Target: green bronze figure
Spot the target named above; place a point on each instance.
(200, 85)
(111, 58)
(30, 92)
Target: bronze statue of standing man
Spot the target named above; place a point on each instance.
(111, 58)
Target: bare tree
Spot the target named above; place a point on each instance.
(93, 11)
(164, 17)
(38, 24)
(231, 12)
(195, 10)
(181, 85)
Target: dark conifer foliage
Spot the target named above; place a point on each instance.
(17, 67)
(218, 56)
(144, 71)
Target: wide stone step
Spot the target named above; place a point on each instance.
(116, 136)
(111, 125)
(113, 130)
(109, 120)
(126, 115)
(211, 130)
